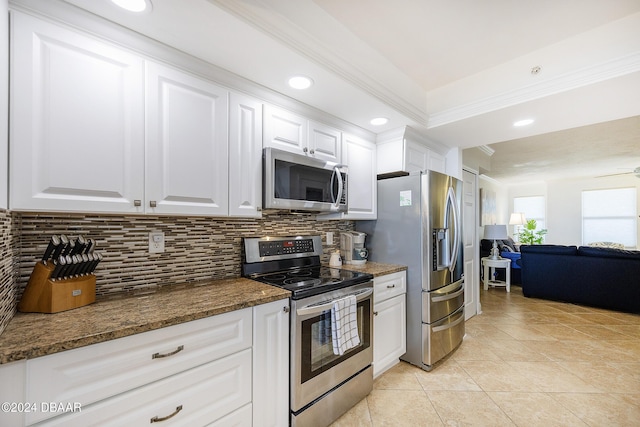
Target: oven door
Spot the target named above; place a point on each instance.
(292, 181)
(315, 369)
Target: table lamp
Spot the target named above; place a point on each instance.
(495, 232)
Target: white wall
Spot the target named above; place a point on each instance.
(502, 200)
(564, 204)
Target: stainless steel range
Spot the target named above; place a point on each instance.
(324, 384)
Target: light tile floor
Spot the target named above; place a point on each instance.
(523, 362)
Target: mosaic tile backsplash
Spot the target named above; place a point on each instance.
(195, 248)
(8, 269)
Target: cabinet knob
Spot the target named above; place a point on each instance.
(285, 309)
(312, 151)
(375, 313)
(305, 149)
(137, 203)
(152, 203)
(259, 208)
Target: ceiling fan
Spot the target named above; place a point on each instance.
(635, 171)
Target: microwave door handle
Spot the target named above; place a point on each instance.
(336, 172)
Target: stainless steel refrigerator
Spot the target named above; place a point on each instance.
(420, 225)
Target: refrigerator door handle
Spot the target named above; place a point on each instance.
(451, 202)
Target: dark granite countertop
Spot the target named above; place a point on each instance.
(375, 268)
(30, 335)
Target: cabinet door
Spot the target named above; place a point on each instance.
(325, 142)
(77, 113)
(360, 156)
(187, 158)
(96, 372)
(417, 157)
(271, 364)
(390, 333)
(389, 285)
(196, 397)
(285, 130)
(437, 162)
(245, 156)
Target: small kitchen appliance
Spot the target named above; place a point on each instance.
(352, 247)
(323, 384)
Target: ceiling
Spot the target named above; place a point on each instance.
(459, 71)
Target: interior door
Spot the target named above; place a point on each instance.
(470, 243)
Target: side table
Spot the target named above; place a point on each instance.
(496, 263)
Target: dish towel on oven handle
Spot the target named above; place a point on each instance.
(344, 325)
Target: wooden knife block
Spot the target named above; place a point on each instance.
(45, 296)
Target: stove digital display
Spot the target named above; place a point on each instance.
(285, 247)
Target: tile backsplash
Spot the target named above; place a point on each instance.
(195, 248)
(8, 269)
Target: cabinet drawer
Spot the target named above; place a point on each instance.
(89, 374)
(196, 397)
(389, 286)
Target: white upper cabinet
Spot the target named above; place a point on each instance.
(402, 150)
(294, 133)
(360, 157)
(186, 149)
(325, 142)
(245, 156)
(284, 130)
(77, 114)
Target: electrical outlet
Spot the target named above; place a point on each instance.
(156, 242)
(329, 237)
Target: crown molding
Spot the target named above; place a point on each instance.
(486, 150)
(616, 67)
(278, 26)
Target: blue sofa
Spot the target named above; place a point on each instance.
(598, 277)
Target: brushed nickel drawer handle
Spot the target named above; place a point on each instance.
(159, 356)
(391, 286)
(157, 419)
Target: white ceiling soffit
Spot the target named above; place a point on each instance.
(357, 77)
(583, 58)
(309, 30)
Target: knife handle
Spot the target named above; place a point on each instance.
(90, 246)
(61, 263)
(80, 244)
(68, 249)
(53, 244)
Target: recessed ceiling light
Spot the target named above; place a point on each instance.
(300, 82)
(523, 122)
(136, 6)
(379, 121)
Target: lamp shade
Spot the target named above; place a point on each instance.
(517, 218)
(495, 232)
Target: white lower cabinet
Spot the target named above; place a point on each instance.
(193, 398)
(226, 370)
(271, 364)
(389, 321)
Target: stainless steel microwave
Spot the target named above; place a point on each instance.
(297, 182)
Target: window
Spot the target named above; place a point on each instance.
(533, 208)
(609, 216)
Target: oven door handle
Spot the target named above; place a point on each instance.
(313, 309)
